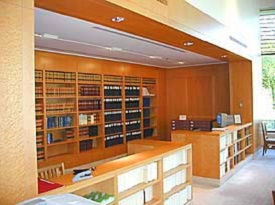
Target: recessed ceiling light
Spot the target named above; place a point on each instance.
(155, 57)
(224, 56)
(188, 43)
(51, 36)
(114, 48)
(180, 62)
(118, 19)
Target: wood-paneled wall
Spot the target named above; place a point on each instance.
(198, 92)
(18, 175)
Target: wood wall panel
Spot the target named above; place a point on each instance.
(17, 145)
(198, 92)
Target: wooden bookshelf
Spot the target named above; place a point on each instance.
(79, 112)
(152, 171)
(218, 154)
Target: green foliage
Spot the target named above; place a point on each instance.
(268, 66)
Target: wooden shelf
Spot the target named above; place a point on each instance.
(153, 202)
(89, 97)
(89, 138)
(60, 82)
(61, 143)
(175, 170)
(61, 97)
(135, 189)
(100, 83)
(88, 83)
(59, 113)
(60, 128)
(176, 189)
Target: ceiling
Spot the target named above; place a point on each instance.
(64, 34)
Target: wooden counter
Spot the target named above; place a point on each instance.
(216, 154)
(143, 153)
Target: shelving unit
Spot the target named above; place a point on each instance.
(78, 112)
(219, 154)
(148, 176)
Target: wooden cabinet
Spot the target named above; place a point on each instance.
(80, 112)
(217, 155)
(156, 172)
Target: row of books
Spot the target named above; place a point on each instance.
(111, 90)
(248, 141)
(146, 112)
(89, 77)
(60, 91)
(113, 116)
(146, 123)
(38, 107)
(112, 140)
(131, 102)
(174, 160)
(132, 91)
(90, 131)
(174, 180)
(39, 139)
(59, 121)
(132, 125)
(39, 123)
(67, 134)
(60, 107)
(137, 199)
(148, 132)
(38, 91)
(113, 78)
(133, 135)
(89, 90)
(225, 140)
(203, 125)
(84, 105)
(146, 102)
(137, 176)
(60, 76)
(237, 159)
(40, 154)
(224, 168)
(133, 114)
(114, 103)
(38, 75)
(224, 155)
(237, 147)
(84, 119)
(181, 197)
(113, 128)
(85, 145)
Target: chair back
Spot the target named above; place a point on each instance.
(264, 131)
(51, 171)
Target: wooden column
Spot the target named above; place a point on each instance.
(17, 145)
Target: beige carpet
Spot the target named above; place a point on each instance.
(252, 185)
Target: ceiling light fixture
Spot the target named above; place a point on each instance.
(50, 36)
(114, 48)
(118, 19)
(188, 43)
(181, 62)
(224, 56)
(155, 57)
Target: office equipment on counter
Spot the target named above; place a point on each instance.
(224, 120)
(83, 175)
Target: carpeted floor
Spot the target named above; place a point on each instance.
(252, 185)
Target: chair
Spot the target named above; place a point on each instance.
(51, 171)
(268, 142)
